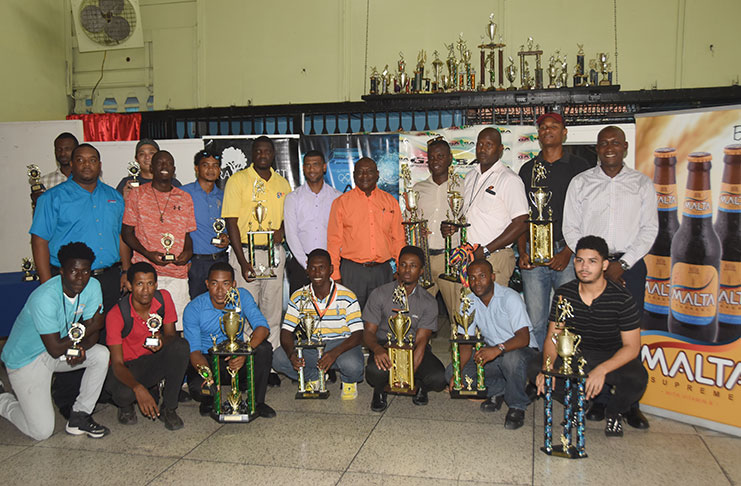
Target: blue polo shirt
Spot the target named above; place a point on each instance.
(67, 213)
(207, 207)
(48, 310)
(505, 314)
(201, 320)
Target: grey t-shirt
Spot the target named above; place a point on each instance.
(380, 305)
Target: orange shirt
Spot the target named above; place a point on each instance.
(364, 229)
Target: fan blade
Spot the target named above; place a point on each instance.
(92, 19)
(118, 29)
(111, 7)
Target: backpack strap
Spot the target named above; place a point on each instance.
(124, 305)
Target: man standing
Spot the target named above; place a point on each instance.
(38, 346)
(429, 371)
(618, 204)
(64, 144)
(502, 319)
(607, 319)
(552, 169)
(364, 233)
(201, 322)
(159, 214)
(207, 200)
(340, 326)
(137, 366)
(306, 216)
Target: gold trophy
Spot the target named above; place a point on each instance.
(134, 171)
(76, 333)
(511, 74)
(464, 319)
(312, 339)
(260, 213)
(219, 227)
(541, 227)
(415, 228)
(455, 202)
(154, 324)
(28, 267)
(489, 61)
(400, 347)
(34, 178)
(168, 240)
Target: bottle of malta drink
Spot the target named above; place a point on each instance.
(695, 258)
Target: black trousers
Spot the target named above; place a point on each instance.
(430, 374)
(362, 280)
(628, 382)
(635, 282)
(169, 363)
(297, 277)
(263, 360)
(198, 272)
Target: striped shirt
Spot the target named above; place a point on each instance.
(341, 318)
(599, 324)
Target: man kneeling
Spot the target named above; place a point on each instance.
(137, 365)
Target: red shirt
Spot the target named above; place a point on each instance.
(133, 344)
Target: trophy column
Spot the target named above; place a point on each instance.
(541, 227)
(400, 348)
(455, 203)
(308, 322)
(415, 228)
(464, 319)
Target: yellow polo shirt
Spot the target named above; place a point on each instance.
(239, 201)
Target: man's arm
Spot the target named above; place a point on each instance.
(398, 239)
(328, 359)
(187, 253)
(572, 215)
(380, 355)
(290, 222)
(235, 239)
(628, 352)
(549, 351)
(40, 252)
(648, 226)
(521, 339)
(334, 237)
(124, 253)
(421, 339)
(286, 342)
(510, 234)
(129, 236)
(93, 327)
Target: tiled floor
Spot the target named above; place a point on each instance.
(335, 442)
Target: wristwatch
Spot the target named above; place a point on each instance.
(486, 251)
(501, 347)
(624, 265)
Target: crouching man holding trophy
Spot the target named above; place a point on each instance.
(413, 313)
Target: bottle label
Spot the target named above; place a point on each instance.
(697, 204)
(666, 197)
(730, 198)
(694, 292)
(658, 283)
(729, 294)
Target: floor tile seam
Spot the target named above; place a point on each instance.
(261, 464)
(433, 478)
(25, 448)
(103, 451)
(717, 461)
(360, 448)
(164, 470)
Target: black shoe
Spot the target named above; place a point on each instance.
(532, 392)
(635, 418)
(183, 396)
(492, 404)
(420, 398)
(264, 410)
(127, 415)
(82, 423)
(205, 408)
(613, 427)
(596, 412)
(171, 419)
(379, 402)
(273, 379)
(515, 419)
(332, 378)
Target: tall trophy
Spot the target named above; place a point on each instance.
(219, 226)
(154, 324)
(27, 266)
(312, 339)
(541, 226)
(465, 319)
(263, 270)
(76, 334)
(455, 202)
(235, 407)
(419, 72)
(488, 61)
(415, 228)
(525, 53)
(401, 82)
(400, 347)
(437, 65)
(134, 171)
(567, 344)
(168, 241)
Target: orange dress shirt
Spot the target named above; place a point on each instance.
(364, 229)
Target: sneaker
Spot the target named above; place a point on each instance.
(515, 419)
(264, 410)
(183, 396)
(205, 407)
(82, 423)
(171, 419)
(492, 404)
(420, 398)
(613, 427)
(349, 391)
(379, 402)
(127, 415)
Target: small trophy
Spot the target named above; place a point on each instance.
(260, 213)
(401, 82)
(219, 227)
(134, 171)
(604, 69)
(312, 339)
(465, 319)
(567, 344)
(168, 240)
(28, 267)
(154, 323)
(415, 228)
(580, 79)
(511, 74)
(449, 84)
(419, 72)
(76, 333)
(455, 202)
(400, 347)
(541, 227)
(34, 178)
(526, 80)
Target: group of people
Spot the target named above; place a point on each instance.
(152, 251)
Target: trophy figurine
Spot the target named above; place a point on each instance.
(402, 79)
(455, 203)
(579, 78)
(154, 324)
(134, 170)
(375, 81)
(464, 319)
(76, 334)
(312, 339)
(28, 267)
(419, 72)
(400, 347)
(168, 241)
(567, 344)
(219, 227)
(452, 65)
(540, 226)
(511, 74)
(437, 65)
(260, 213)
(415, 228)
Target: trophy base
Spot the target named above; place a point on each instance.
(570, 453)
(235, 418)
(168, 257)
(311, 395)
(154, 342)
(29, 278)
(401, 390)
(133, 184)
(37, 187)
(264, 277)
(73, 353)
(463, 393)
(215, 241)
(450, 278)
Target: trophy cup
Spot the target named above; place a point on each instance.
(134, 170)
(312, 339)
(452, 66)
(455, 202)
(604, 69)
(154, 324)
(541, 227)
(465, 319)
(168, 240)
(567, 344)
(552, 72)
(219, 227)
(401, 80)
(28, 267)
(385, 80)
(437, 65)
(76, 334)
(415, 228)
(525, 78)
(260, 213)
(400, 347)
(34, 176)
(235, 408)
(511, 74)
(489, 59)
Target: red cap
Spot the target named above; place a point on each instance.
(555, 116)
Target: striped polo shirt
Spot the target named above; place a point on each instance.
(341, 318)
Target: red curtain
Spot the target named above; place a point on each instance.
(109, 127)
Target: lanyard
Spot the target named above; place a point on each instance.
(68, 325)
(332, 294)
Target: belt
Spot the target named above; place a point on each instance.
(101, 271)
(210, 256)
(256, 247)
(436, 252)
(613, 257)
(367, 264)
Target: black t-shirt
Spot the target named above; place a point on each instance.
(558, 177)
(599, 324)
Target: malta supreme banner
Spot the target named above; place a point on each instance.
(691, 326)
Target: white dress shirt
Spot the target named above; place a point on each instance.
(433, 201)
(305, 218)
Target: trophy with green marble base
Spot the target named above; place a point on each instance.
(262, 270)
(455, 202)
(474, 387)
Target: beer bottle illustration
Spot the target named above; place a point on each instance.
(728, 227)
(658, 259)
(695, 258)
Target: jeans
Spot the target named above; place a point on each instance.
(349, 363)
(507, 374)
(198, 271)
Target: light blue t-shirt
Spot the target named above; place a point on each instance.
(48, 310)
(505, 314)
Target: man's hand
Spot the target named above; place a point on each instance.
(154, 349)
(382, 359)
(236, 362)
(248, 273)
(327, 360)
(75, 360)
(183, 258)
(486, 354)
(122, 283)
(595, 382)
(297, 362)
(146, 403)
(478, 254)
(127, 189)
(223, 241)
(524, 262)
(560, 260)
(157, 257)
(278, 236)
(615, 273)
(447, 229)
